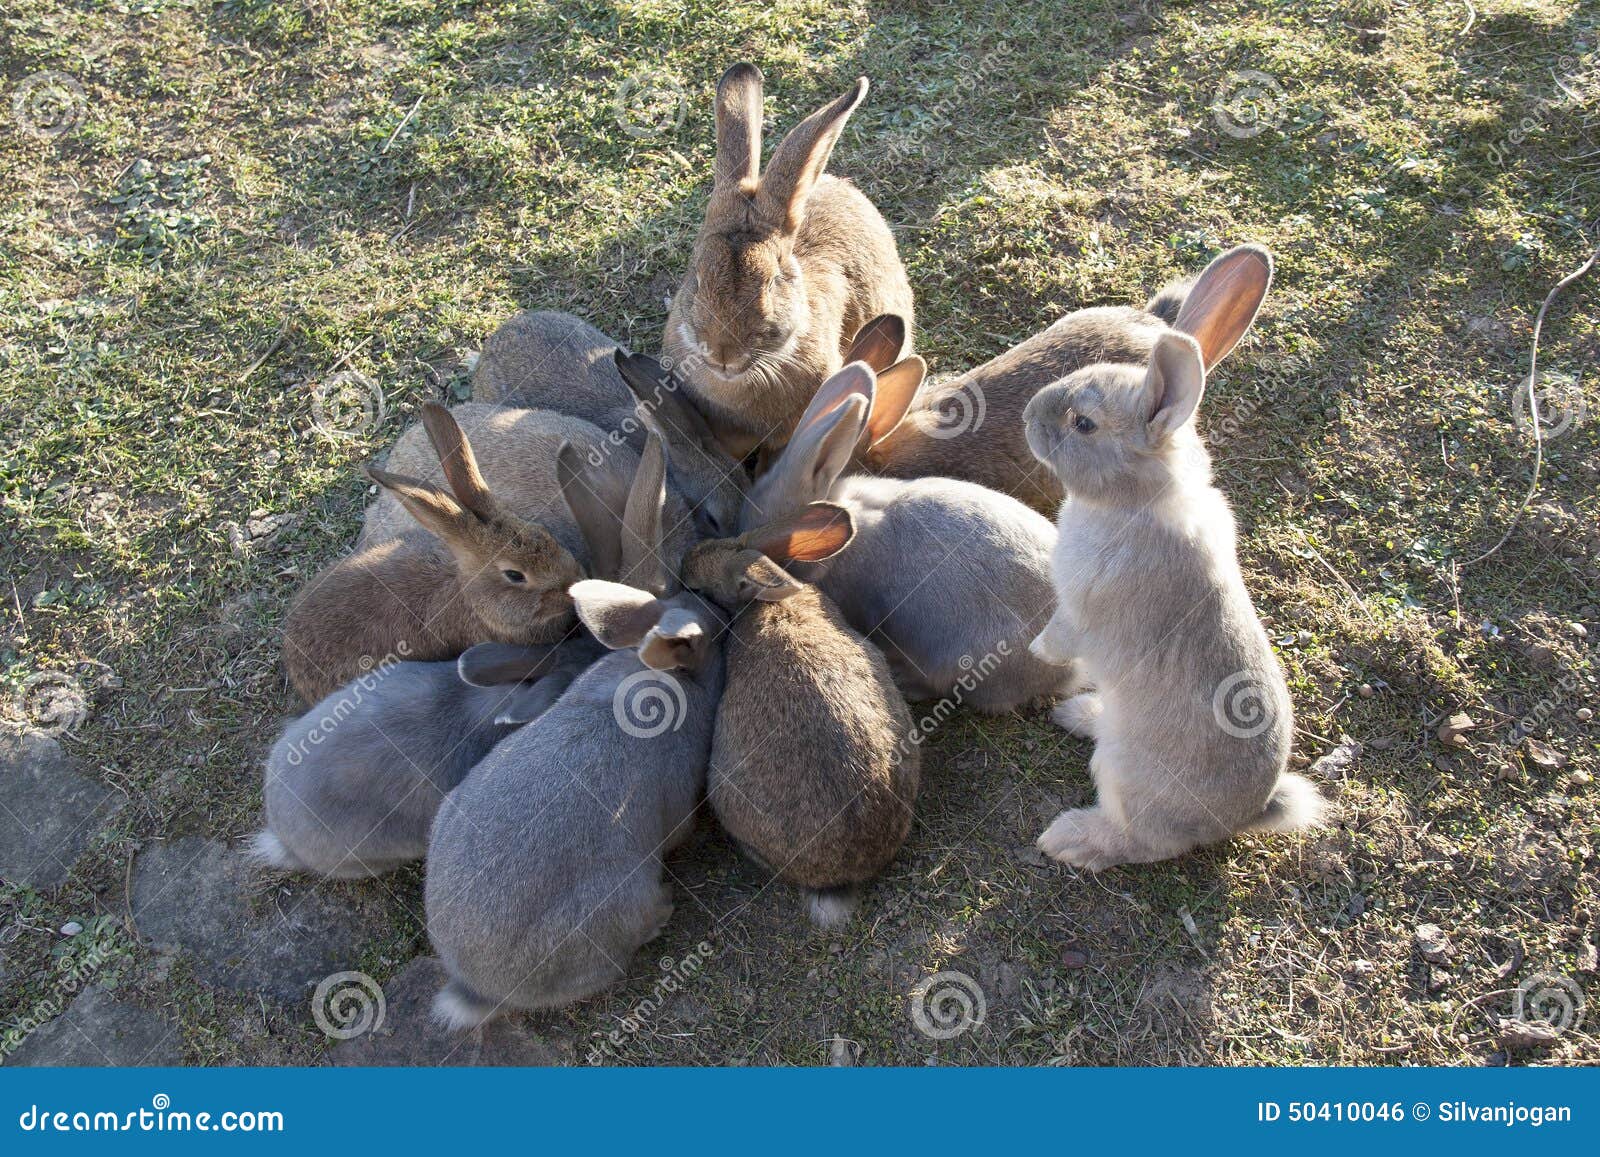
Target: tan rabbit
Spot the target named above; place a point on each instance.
(813, 769)
(970, 427)
(789, 264)
(476, 562)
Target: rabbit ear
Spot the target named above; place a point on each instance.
(896, 389)
(801, 156)
(1225, 299)
(640, 536)
(437, 512)
(765, 581)
(617, 615)
(597, 506)
(816, 531)
(494, 664)
(879, 342)
(673, 643)
(834, 392)
(525, 702)
(460, 464)
(661, 394)
(738, 125)
(1173, 384)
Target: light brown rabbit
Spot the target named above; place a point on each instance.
(971, 427)
(814, 769)
(789, 264)
(477, 562)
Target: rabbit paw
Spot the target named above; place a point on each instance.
(1082, 837)
(1079, 714)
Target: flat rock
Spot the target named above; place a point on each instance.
(408, 1035)
(48, 811)
(98, 1029)
(252, 931)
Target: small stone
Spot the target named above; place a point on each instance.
(1074, 958)
(1584, 714)
(1303, 639)
(1338, 761)
(71, 928)
(262, 529)
(1524, 1034)
(1581, 778)
(1578, 630)
(271, 458)
(1363, 967)
(1365, 691)
(1454, 730)
(1543, 755)
(1433, 943)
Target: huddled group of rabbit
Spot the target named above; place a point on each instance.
(783, 537)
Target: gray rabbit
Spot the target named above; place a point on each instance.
(554, 361)
(1190, 714)
(949, 578)
(352, 786)
(545, 867)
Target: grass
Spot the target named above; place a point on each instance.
(258, 196)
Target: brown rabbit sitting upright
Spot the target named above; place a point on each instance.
(437, 570)
(789, 264)
(814, 769)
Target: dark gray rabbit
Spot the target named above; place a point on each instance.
(352, 786)
(949, 578)
(554, 361)
(545, 867)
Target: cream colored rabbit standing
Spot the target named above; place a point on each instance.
(1190, 714)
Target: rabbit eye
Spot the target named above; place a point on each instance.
(514, 576)
(1083, 425)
